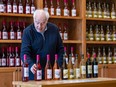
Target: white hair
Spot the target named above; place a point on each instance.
(41, 11)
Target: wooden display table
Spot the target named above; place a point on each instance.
(93, 82)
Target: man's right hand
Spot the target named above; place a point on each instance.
(33, 68)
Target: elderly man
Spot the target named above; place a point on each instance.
(41, 37)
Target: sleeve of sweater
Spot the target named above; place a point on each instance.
(60, 50)
(26, 47)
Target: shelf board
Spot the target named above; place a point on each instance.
(72, 41)
(101, 42)
(10, 41)
(15, 15)
(67, 17)
(100, 19)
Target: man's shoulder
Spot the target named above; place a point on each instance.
(52, 26)
(28, 28)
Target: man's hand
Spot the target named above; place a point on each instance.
(33, 68)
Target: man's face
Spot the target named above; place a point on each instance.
(40, 23)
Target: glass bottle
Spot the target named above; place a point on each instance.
(64, 69)
(66, 56)
(32, 6)
(19, 32)
(58, 9)
(104, 10)
(88, 67)
(25, 70)
(110, 61)
(12, 32)
(56, 69)
(99, 10)
(27, 7)
(73, 10)
(70, 68)
(91, 34)
(107, 11)
(60, 30)
(72, 55)
(89, 10)
(76, 68)
(102, 34)
(46, 6)
(114, 56)
(9, 7)
(65, 32)
(17, 57)
(83, 67)
(4, 31)
(20, 7)
(66, 9)
(4, 58)
(99, 56)
(97, 33)
(104, 58)
(95, 67)
(2, 6)
(38, 72)
(14, 6)
(48, 69)
(108, 33)
(113, 12)
(114, 33)
(52, 8)
(87, 33)
(94, 10)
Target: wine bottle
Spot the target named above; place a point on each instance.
(58, 9)
(25, 70)
(32, 6)
(38, 73)
(4, 58)
(66, 9)
(66, 56)
(52, 8)
(73, 10)
(15, 6)
(20, 7)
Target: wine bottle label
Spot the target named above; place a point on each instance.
(113, 15)
(57, 73)
(18, 35)
(32, 9)
(105, 14)
(95, 69)
(89, 69)
(99, 14)
(11, 61)
(9, 8)
(95, 14)
(26, 72)
(100, 60)
(39, 74)
(52, 11)
(77, 72)
(27, 9)
(49, 73)
(58, 12)
(46, 9)
(71, 73)
(90, 13)
(65, 73)
(91, 36)
(66, 60)
(114, 59)
(110, 60)
(61, 35)
(73, 60)
(73, 12)
(114, 37)
(20, 9)
(108, 36)
(97, 37)
(3, 61)
(1, 7)
(17, 61)
(83, 69)
(12, 35)
(66, 12)
(65, 36)
(104, 60)
(14, 9)
(5, 35)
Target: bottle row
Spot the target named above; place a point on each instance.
(59, 10)
(11, 57)
(100, 10)
(17, 6)
(104, 55)
(86, 69)
(101, 33)
(14, 31)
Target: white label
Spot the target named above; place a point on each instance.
(57, 73)
(89, 69)
(58, 12)
(12, 35)
(65, 73)
(26, 72)
(18, 35)
(1, 7)
(61, 35)
(66, 60)
(66, 12)
(39, 74)
(3, 61)
(11, 62)
(5, 35)
(17, 62)
(73, 12)
(71, 73)
(9, 8)
(77, 72)
(83, 69)
(95, 69)
(73, 60)
(65, 36)
(32, 9)
(52, 11)
(49, 74)
(46, 9)
(14, 9)
(27, 9)
(20, 9)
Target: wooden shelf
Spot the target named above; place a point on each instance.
(67, 17)
(100, 19)
(72, 41)
(10, 41)
(15, 15)
(101, 42)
